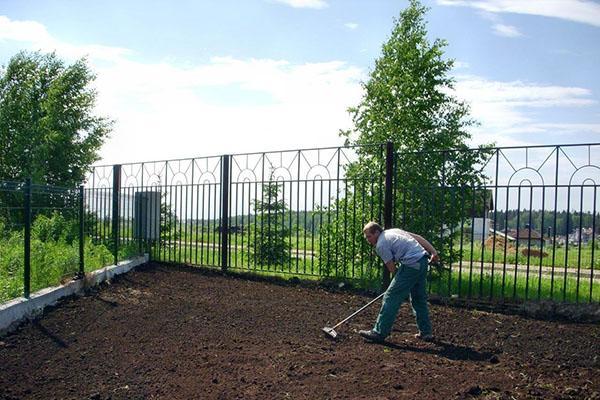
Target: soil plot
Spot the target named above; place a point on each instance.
(177, 333)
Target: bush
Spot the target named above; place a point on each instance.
(54, 228)
(54, 255)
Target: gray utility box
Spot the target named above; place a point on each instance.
(146, 215)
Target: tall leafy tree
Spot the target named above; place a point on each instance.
(271, 245)
(408, 100)
(48, 128)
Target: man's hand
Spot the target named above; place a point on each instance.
(391, 266)
(434, 259)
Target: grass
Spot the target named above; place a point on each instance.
(56, 258)
(577, 257)
(467, 284)
(472, 284)
(51, 262)
(242, 260)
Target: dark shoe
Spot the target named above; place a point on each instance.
(427, 338)
(372, 336)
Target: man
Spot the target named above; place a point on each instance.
(411, 251)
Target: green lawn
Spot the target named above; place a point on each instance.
(54, 260)
(575, 256)
(472, 284)
(51, 262)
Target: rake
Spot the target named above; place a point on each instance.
(331, 333)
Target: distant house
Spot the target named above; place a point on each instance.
(525, 237)
(583, 235)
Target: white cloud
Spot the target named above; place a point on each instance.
(507, 110)
(506, 30)
(351, 25)
(165, 110)
(229, 105)
(461, 65)
(25, 31)
(35, 36)
(557, 128)
(316, 4)
(582, 11)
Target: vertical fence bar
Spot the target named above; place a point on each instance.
(579, 244)
(473, 191)
(115, 210)
(442, 191)
(518, 238)
(27, 239)
(542, 227)
(388, 199)
(568, 229)
(298, 218)
(81, 231)
(592, 261)
(495, 200)
(224, 212)
(555, 223)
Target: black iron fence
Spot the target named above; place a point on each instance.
(522, 225)
(50, 235)
(41, 231)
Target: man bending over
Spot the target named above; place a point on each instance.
(413, 253)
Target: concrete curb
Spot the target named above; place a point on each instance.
(15, 311)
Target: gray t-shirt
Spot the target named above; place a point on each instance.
(400, 246)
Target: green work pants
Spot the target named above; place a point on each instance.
(408, 280)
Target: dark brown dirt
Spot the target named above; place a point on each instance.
(174, 333)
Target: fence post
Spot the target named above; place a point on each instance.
(388, 202)
(27, 239)
(224, 212)
(115, 210)
(81, 231)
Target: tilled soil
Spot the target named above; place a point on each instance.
(177, 333)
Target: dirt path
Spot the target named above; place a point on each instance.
(173, 333)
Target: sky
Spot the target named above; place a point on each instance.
(193, 78)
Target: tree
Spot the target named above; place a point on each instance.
(271, 245)
(47, 127)
(408, 100)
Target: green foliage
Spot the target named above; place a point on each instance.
(407, 97)
(169, 227)
(408, 100)
(47, 127)
(271, 245)
(91, 222)
(54, 255)
(55, 228)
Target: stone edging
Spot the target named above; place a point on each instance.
(15, 311)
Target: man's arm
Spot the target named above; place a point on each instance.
(427, 246)
(391, 266)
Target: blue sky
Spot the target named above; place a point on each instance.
(191, 78)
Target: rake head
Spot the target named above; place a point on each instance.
(330, 332)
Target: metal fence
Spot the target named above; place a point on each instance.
(528, 230)
(41, 231)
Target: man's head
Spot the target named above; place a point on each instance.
(372, 230)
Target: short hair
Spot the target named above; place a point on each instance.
(372, 227)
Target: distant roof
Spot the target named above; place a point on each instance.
(525, 233)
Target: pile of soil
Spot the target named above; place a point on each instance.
(177, 333)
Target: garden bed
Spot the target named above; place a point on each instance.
(176, 332)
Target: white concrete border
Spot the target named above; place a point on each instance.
(15, 311)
